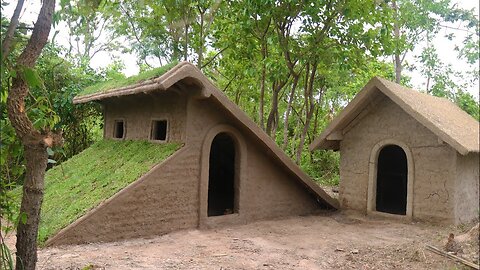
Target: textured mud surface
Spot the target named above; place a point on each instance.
(335, 241)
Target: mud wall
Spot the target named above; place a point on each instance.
(267, 190)
(138, 111)
(434, 161)
(466, 188)
(167, 198)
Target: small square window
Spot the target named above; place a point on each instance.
(119, 129)
(159, 130)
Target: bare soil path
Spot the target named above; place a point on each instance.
(326, 241)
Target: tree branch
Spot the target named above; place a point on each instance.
(457, 28)
(20, 27)
(7, 41)
(213, 58)
(27, 59)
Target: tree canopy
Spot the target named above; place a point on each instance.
(290, 65)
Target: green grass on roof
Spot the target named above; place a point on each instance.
(117, 83)
(96, 174)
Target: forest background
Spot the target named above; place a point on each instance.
(290, 65)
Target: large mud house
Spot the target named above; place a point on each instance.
(405, 154)
(228, 170)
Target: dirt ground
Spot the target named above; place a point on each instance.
(323, 241)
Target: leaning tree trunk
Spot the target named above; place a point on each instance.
(35, 142)
(7, 41)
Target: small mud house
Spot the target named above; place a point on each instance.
(227, 170)
(405, 153)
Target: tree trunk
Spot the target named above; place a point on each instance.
(185, 53)
(396, 33)
(36, 159)
(287, 113)
(272, 121)
(34, 142)
(295, 133)
(398, 64)
(7, 41)
(201, 39)
(262, 87)
(309, 108)
(262, 33)
(315, 121)
(315, 128)
(272, 116)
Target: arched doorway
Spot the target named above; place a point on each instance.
(221, 177)
(392, 177)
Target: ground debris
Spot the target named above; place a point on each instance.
(335, 241)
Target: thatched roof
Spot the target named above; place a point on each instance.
(115, 84)
(439, 115)
(186, 73)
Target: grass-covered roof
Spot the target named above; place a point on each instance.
(107, 86)
(96, 174)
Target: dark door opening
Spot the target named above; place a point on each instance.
(392, 180)
(221, 179)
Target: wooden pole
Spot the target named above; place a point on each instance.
(452, 257)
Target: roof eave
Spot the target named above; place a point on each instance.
(161, 83)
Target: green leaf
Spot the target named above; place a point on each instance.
(22, 218)
(12, 73)
(51, 161)
(50, 151)
(7, 259)
(32, 78)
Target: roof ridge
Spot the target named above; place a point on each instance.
(425, 94)
(447, 126)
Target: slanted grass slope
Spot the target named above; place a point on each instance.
(117, 83)
(82, 182)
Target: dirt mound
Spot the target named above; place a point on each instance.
(471, 235)
(470, 243)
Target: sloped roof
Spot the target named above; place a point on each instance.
(85, 180)
(439, 115)
(185, 70)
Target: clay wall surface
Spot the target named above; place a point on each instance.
(467, 188)
(167, 198)
(434, 166)
(138, 112)
(267, 190)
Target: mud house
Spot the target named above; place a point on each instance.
(228, 171)
(406, 154)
